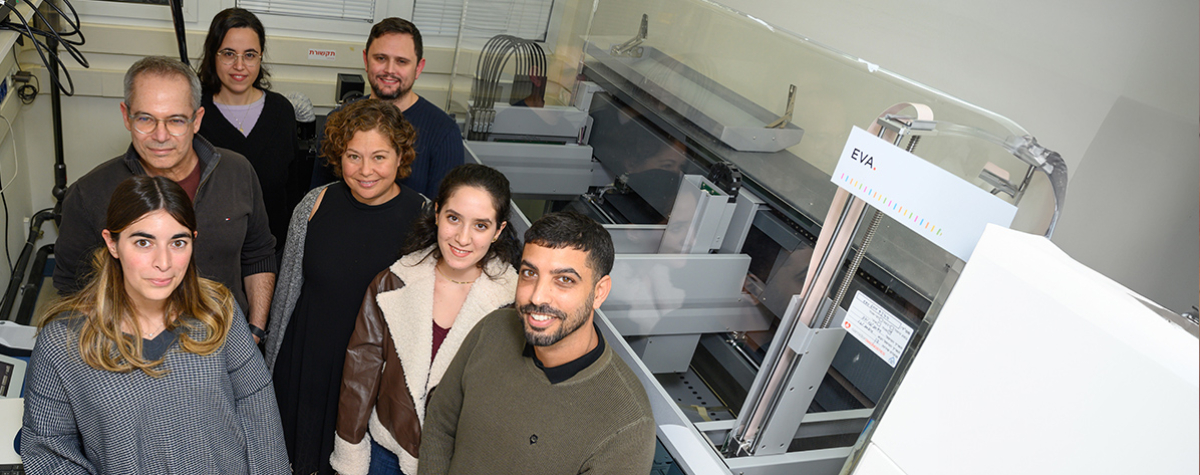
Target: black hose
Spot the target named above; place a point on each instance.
(14, 281)
(33, 286)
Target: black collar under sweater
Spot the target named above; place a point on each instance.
(568, 370)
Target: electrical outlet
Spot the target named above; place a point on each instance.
(9, 83)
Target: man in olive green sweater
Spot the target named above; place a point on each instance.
(536, 389)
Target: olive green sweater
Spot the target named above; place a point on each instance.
(495, 412)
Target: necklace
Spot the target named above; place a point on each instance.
(151, 335)
(245, 113)
(444, 276)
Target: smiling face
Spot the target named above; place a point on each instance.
(237, 78)
(556, 295)
(369, 167)
(466, 227)
(165, 99)
(154, 253)
(392, 67)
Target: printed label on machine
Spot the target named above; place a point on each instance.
(877, 328)
(937, 205)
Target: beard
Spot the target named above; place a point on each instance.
(570, 323)
(379, 94)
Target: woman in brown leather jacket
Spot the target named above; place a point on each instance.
(456, 268)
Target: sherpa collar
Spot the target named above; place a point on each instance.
(408, 312)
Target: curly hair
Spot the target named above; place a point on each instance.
(364, 115)
(224, 21)
(104, 303)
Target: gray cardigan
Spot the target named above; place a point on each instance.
(291, 275)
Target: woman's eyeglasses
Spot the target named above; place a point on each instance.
(228, 57)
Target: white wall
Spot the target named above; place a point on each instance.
(1110, 85)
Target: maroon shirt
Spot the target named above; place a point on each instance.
(439, 335)
(191, 183)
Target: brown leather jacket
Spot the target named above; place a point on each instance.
(372, 352)
(387, 377)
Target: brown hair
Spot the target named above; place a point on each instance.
(224, 21)
(105, 306)
(364, 115)
(397, 26)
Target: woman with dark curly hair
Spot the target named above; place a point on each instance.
(340, 236)
(243, 115)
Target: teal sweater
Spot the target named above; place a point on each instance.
(495, 412)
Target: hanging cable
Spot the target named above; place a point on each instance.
(4, 188)
(46, 41)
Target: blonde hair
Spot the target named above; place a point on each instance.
(104, 304)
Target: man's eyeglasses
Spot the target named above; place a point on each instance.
(147, 124)
(228, 57)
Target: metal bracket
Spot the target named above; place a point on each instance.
(1049, 162)
(787, 116)
(999, 179)
(632, 48)
(905, 125)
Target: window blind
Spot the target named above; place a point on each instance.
(361, 10)
(528, 19)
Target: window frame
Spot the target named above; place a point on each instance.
(326, 28)
(140, 14)
(552, 30)
(198, 14)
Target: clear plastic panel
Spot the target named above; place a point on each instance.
(709, 64)
(709, 56)
(757, 62)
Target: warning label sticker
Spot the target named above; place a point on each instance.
(878, 329)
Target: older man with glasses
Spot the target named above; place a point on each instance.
(234, 245)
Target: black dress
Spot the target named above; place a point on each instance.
(347, 244)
